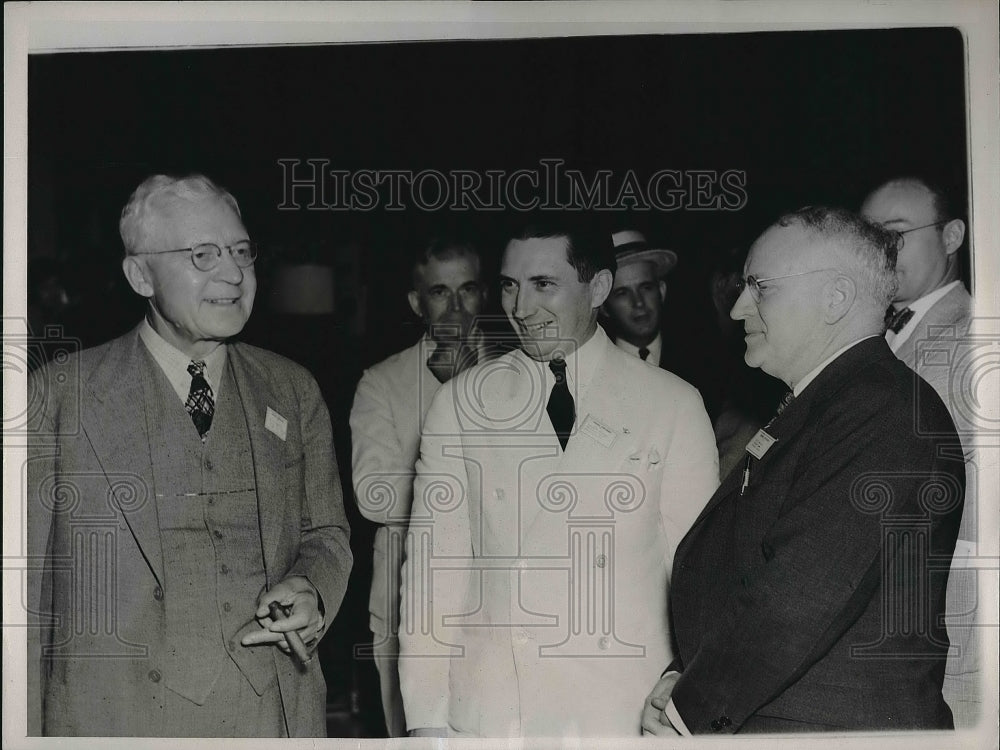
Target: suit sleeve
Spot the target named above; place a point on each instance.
(324, 552)
(691, 474)
(381, 474)
(823, 571)
(439, 529)
(41, 467)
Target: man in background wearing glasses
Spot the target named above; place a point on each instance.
(183, 503)
(931, 312)
(808, 594)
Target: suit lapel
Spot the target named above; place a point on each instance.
(114, 422)
(267, 449)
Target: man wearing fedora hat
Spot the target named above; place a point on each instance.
(634, 308)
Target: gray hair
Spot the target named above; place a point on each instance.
(142, 205)
(871, 248)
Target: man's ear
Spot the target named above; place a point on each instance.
(953, 233)
(137, 275)
(414, 299)
(600, 287)
(839, 295)
(663, 290)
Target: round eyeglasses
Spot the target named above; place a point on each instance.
(207, 255)
(754, 285)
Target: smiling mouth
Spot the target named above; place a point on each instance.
(536, 327)
(223, 301)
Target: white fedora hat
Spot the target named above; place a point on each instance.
(631, 247)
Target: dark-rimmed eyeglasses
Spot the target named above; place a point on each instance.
(207, 255)
(754, 285)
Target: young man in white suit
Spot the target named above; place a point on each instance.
(390, 403)
(931, 313)
(553, 486)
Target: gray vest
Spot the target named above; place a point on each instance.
(206, 501)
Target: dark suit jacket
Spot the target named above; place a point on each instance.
(89, 466)
(814, 600)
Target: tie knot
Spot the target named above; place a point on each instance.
(785, 401)
(196, 368)
(558, 367)
(643, 353)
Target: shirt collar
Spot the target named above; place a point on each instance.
(580, 363)
(174, 362)
(655, 347)
(811, 375)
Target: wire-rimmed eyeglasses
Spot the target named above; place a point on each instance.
(207, 255)
(753, 284)
(903, 232)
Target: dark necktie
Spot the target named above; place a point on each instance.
(561, 410)
(200, 404)
(896, 319)
(643, 353)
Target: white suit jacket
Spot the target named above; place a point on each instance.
(535, 583)
(389, 407)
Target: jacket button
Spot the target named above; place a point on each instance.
(208, 464)
(224, 570)
(158, 594)
(154, 675)
(227, 607)
(217, 534)
(601, 561)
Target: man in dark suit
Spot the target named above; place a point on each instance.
(931, 313)
(634, 308)
(808, 594)
(183, 501)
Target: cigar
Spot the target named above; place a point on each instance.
(291, 637)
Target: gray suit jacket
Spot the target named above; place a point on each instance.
(89, 467)
(934, 351)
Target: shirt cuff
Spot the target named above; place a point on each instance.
(675, 719)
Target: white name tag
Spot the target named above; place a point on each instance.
(599, 432)
(276, 423)
(760, 443)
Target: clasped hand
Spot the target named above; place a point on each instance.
(300, 598)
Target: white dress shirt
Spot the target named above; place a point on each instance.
(655, 348)
(174, 362)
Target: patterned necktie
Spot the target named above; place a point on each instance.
(782, 405)
(561, 409)
(200, 404)
(896, 319)
(643, 353)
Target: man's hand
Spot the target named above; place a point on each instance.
(654, 721)
(304, 616)
(428, 732)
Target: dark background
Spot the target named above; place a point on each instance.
(811, 117)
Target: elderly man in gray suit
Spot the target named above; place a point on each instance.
(931, 313)
(183, 502)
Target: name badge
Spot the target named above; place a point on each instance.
(597, 431)
(760, 443)
(276, 423)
